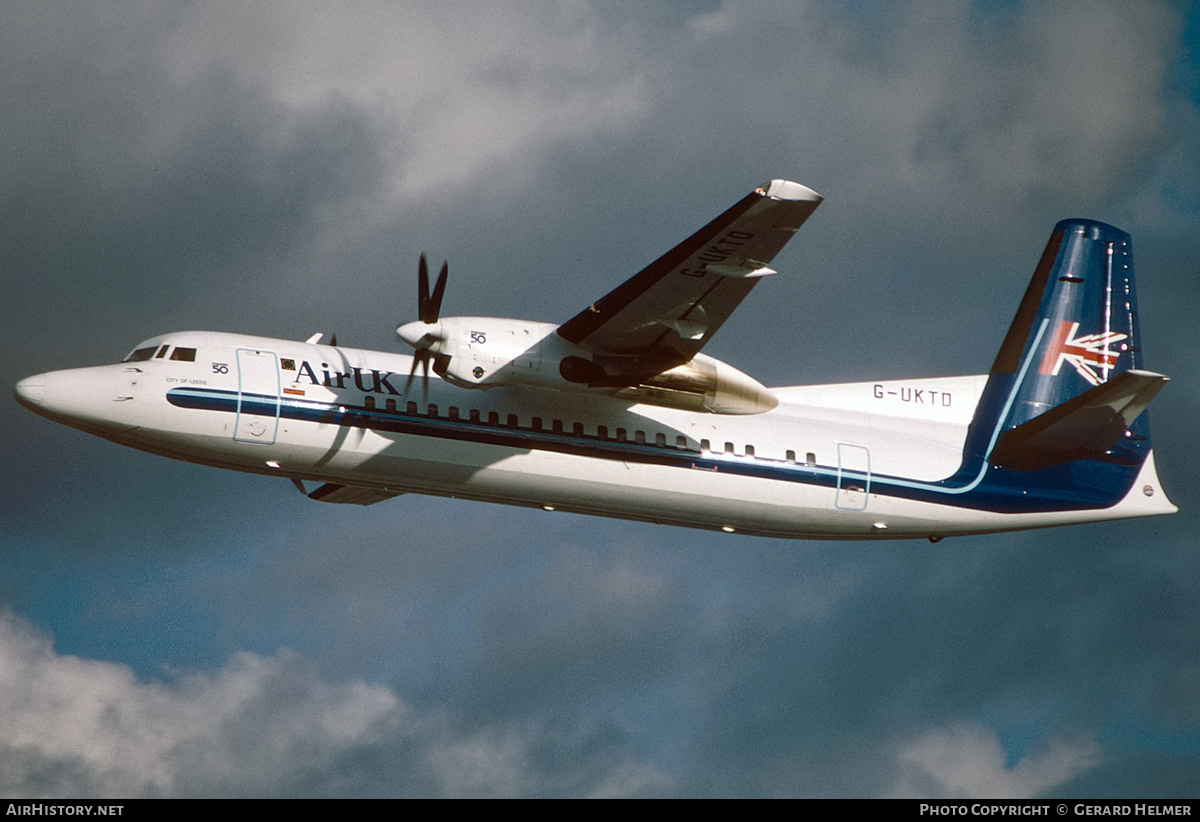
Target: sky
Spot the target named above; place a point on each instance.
(171, 630)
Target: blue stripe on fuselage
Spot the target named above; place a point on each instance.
(977, 486)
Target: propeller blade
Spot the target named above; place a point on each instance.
(429, 306)
(417, 357)
(422, 288)
(422, 357)
(433, 307)
(425, 377)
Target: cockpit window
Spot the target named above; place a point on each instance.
(184, 354)
(141, 354)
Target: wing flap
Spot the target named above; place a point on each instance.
(1088, 425)
(663, 315)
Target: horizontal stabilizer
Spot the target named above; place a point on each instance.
(1085, 426)
(351, 494)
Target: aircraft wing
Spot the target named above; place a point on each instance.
(666, 312)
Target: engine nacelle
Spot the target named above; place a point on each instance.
(489, 351)
(484, 352)
(704, 384)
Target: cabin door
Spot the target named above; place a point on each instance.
(258, 396)
(853, 478)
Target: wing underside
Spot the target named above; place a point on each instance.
(662, 316)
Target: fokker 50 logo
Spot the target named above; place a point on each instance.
(1091, 355)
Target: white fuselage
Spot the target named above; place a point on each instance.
(342, 416)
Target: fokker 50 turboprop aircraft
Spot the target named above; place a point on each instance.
(617, 413)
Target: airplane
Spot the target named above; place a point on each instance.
(617, 413)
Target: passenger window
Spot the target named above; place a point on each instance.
(556, 426)
(791, 455)
(432, 410)
(602, 432)
(493, 418)
(537, 424)
(705, 446)
(577, 429)
(810, 459)
(390, 405)
(512, 420)
(639, 437)
(660, 440)
(681, 442)
(621, 436)
(473, 415)
(410, 407)
(749, 450)
(453, 412)
(729, 448)
(369, 402)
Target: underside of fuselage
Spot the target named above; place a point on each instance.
(748, 496)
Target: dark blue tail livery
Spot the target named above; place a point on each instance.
(1068, 384)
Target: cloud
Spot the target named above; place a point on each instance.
(967, 761)
(268, 726)
(75, 726)
(469, 92)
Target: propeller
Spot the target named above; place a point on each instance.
(430, 306)
(425, 335)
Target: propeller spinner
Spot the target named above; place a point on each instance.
(425, 334)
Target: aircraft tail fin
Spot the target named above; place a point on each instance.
(1068, 382)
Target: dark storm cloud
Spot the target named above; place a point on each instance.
(1039, 635)
(139, 190)
(237, 168)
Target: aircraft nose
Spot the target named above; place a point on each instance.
(31, 391)
(82, 398)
